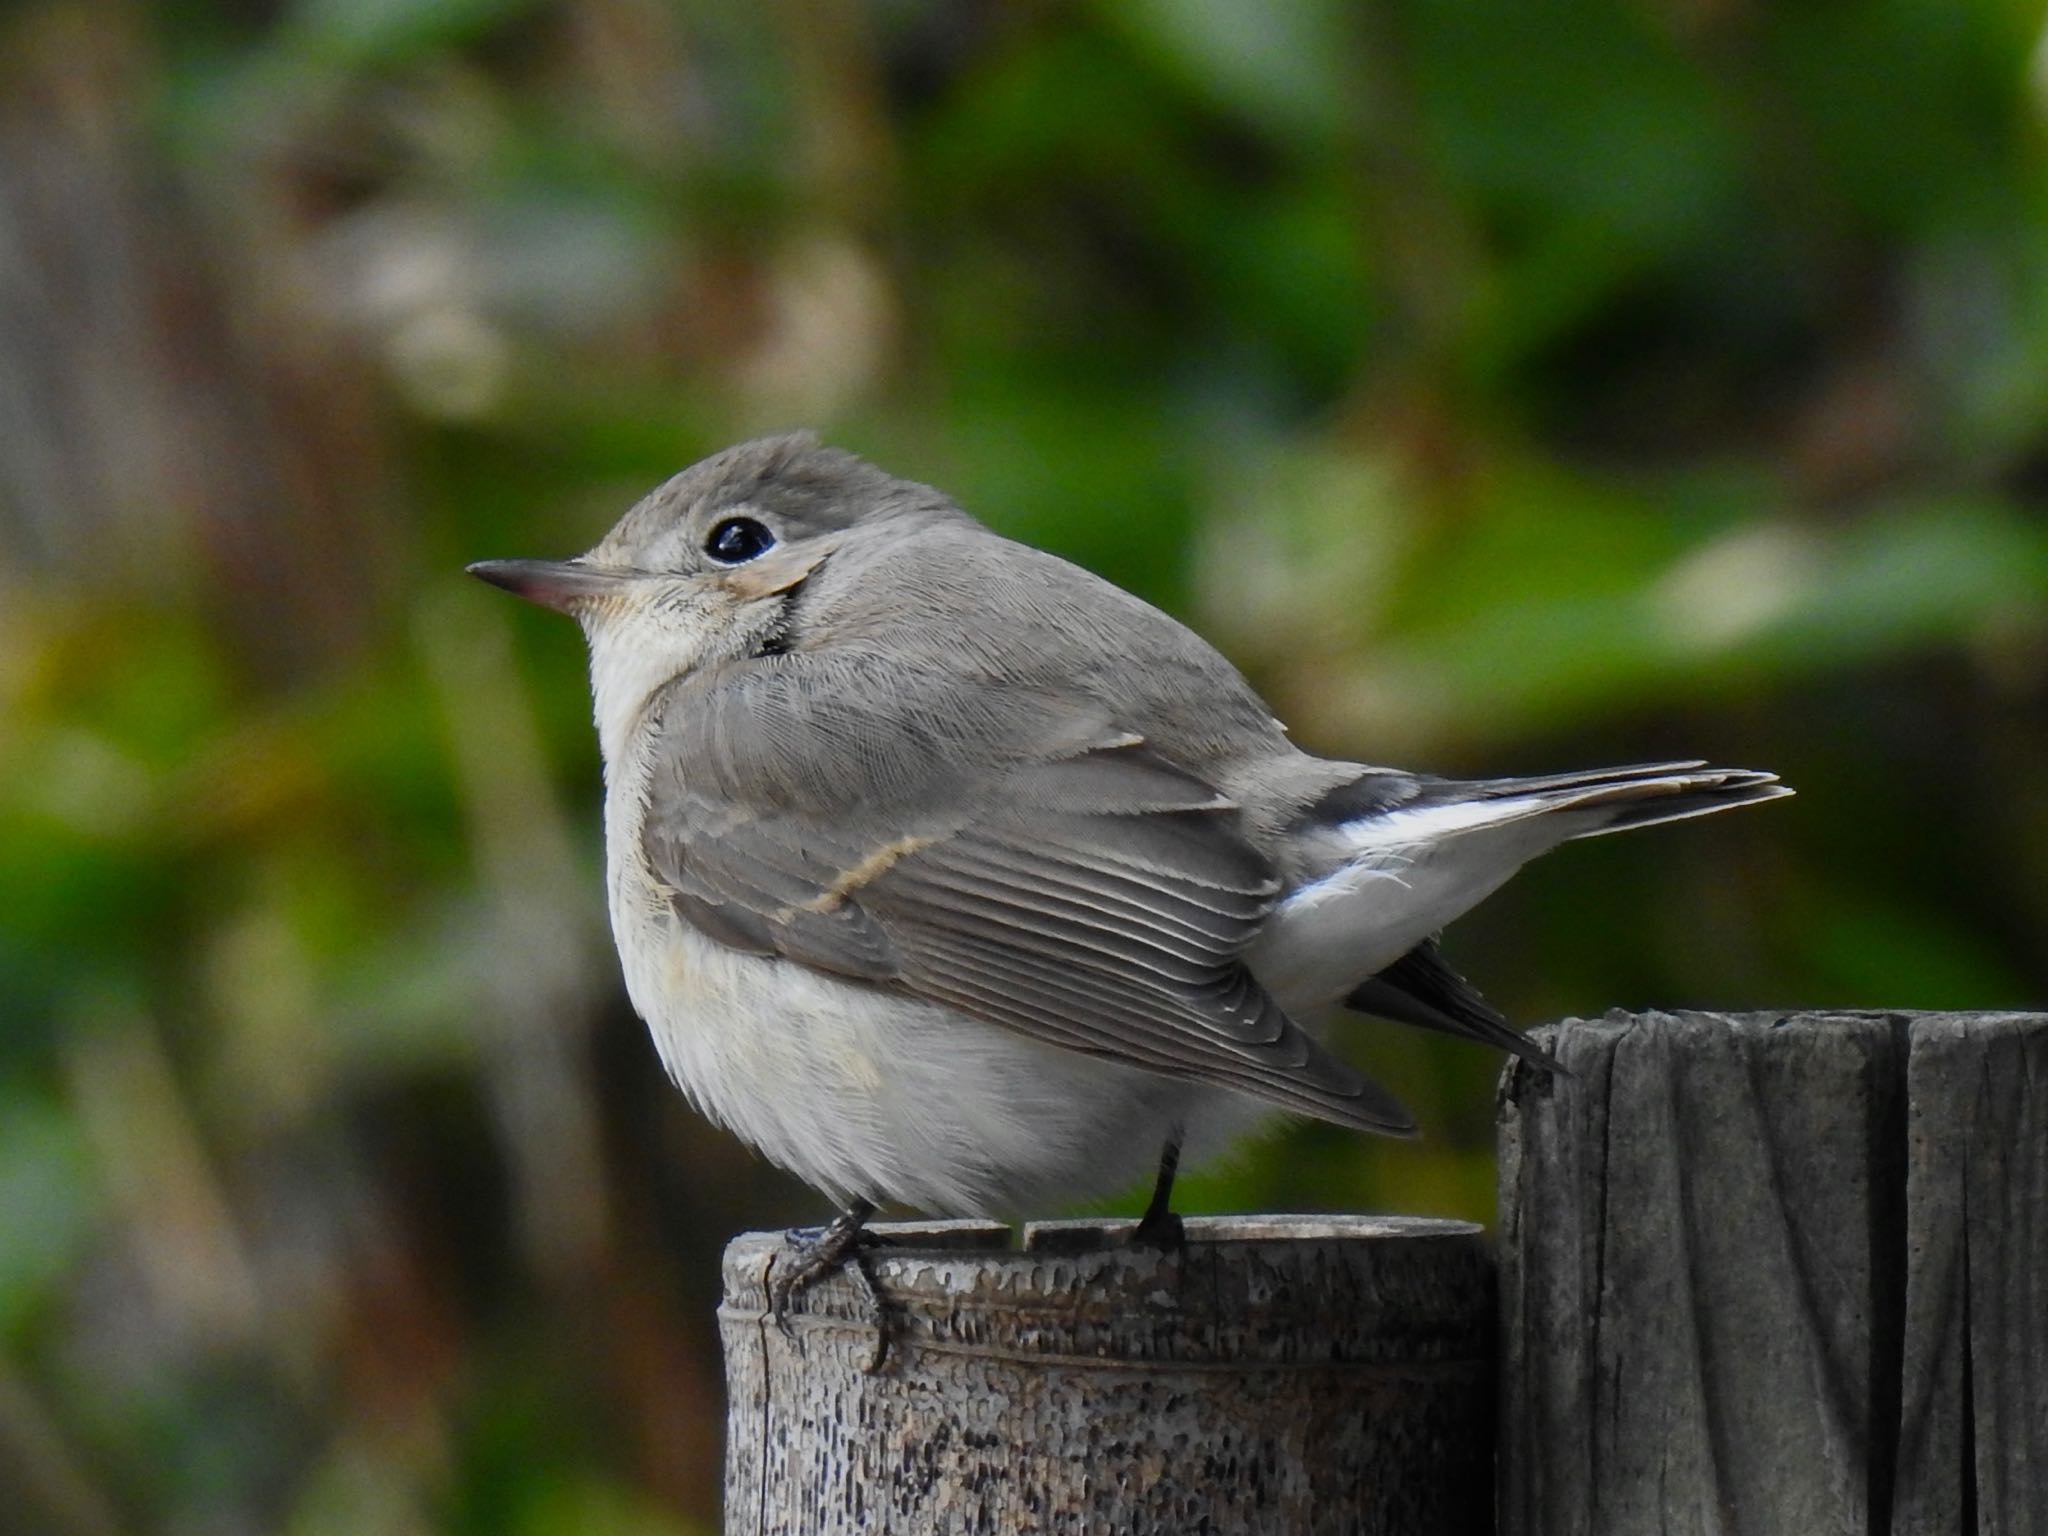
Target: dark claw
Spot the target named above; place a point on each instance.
(814, 1253)
(1160, 1229)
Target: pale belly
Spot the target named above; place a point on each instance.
(864, 1094)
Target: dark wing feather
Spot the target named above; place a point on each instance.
(1420, 988)
(1016, 856)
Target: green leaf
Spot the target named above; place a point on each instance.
(1281, 64)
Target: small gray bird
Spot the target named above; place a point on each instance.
(946, 873)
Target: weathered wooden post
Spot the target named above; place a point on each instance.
(1277, 1375)
(1777, 1272)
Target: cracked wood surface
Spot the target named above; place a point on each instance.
(1777, 1273)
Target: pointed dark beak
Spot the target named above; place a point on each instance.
(558, 584)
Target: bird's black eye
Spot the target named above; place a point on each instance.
(737, 540)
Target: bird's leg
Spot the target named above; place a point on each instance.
(811, 1259)
(1159, 1227)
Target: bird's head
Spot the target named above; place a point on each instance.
(709, 566)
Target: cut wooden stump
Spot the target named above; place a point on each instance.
(1277, 1375)
(1777, 1273)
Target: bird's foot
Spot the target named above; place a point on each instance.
(1160, 1229)
(812, 1253)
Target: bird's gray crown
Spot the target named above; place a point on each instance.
(792, 481)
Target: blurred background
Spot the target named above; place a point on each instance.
(1507, 388)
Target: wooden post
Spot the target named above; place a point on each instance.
(1777, 1273)
(1277, 1375)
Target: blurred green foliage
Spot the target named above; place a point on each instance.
(1507, 387)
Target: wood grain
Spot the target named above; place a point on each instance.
(1277, 1375)
(1777, 1273)
(1973, 1437)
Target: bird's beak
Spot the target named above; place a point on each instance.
(559, 584)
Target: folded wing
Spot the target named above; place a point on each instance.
(1016, 856)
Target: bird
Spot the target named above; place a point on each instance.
(950, 875)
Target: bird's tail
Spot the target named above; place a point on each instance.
(1616, 799)
(1407, 856)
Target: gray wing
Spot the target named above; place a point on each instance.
(994, 848)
